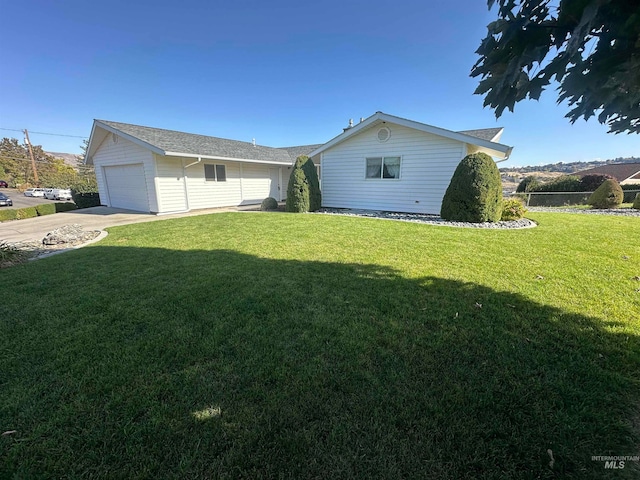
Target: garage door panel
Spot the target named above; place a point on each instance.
(127, 187)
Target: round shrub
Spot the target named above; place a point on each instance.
(475, 191)
(269, 203)
(527, 183)
(303, 192)
(607, 195)
(512, 209)
(636, 202)
(591, 182)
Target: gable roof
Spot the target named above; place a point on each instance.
(620, 171)
(490, 134)
(473, 137)
(181, 144)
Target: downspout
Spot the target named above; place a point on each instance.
(186, 180)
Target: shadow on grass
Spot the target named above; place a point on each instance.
(214, 364)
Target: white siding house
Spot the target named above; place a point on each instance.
(393, 164)
(383, 163)
(164, 171)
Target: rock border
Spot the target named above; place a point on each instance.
(427, 219)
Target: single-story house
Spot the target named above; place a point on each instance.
(624, 173)
(394, 164)
(382, 163)
(164, 171)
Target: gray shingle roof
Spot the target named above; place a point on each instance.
(483, 133)
(193, 144)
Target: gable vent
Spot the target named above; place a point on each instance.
(114, 138)
(384, 134)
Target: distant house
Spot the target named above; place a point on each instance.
(382, 163)
(624, 173)
(163, 171)
(394, 164)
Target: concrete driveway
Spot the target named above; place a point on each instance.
(95, 218)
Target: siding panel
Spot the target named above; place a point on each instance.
(428, 162)
(124, 152)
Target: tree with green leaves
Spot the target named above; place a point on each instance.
(591, 48)
(303, 192)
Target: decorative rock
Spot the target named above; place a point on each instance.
(69, 235)
(426, 218)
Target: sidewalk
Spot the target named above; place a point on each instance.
(95, 218)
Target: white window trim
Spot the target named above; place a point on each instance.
(382, 169)
(215, 172)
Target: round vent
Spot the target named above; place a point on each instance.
(383, 134)
(114, 138)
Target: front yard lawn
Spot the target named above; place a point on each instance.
(249, 345)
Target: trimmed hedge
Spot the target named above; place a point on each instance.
(608, 195)
(65, 207)
(303, 191)
(26, 212)
(564, 183)
(636, 202)
(475, 191)
(85, 199)
(9, 214)
(591, 182)
(45, 209)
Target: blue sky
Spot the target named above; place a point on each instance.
(282, 72)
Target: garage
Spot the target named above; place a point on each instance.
(127, 187)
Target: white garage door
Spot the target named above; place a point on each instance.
(127, 187)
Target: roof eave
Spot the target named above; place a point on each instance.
(498, 147)
(227, 159)
(129, 137)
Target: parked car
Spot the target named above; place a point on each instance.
(48, 193)
(61, 194)
(5, 201)
(3, 184)
(34, 192)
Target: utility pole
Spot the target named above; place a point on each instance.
(33, 160)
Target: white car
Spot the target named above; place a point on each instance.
(57, 194)
(34, 192)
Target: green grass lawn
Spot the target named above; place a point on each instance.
(249, 345)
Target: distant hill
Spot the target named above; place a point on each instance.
(511, 176)
(69, 158)
(568, 168)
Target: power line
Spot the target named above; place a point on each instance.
(45, 133)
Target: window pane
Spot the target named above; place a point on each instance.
(221, 173)
(391, 167)
(209, 172)
(374, 167)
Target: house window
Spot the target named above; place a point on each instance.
(383, 167)
(215, 173)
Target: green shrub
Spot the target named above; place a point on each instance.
(303, 191)
(26, 212)
(45, 209)
(512, 209)
(591, 182)
(10, 255)
(269, 203)
(564, 183)
(85, 199)
(9, 214)
(475, 191)
(65, 207)
(528, 183)
(636, 202)
(607, 195)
